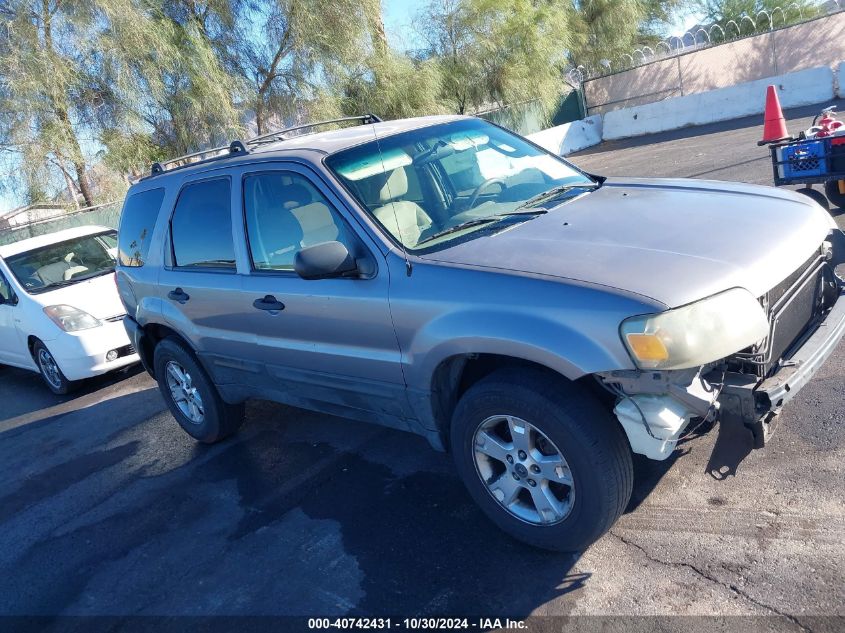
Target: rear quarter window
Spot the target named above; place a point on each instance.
(137, 221)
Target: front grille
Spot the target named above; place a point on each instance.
(793, 306)
(115, 319)
(126, 350)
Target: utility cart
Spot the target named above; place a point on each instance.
(812, 161)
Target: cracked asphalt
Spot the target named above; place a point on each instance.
(108, 508)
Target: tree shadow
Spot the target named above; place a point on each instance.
(298, 514)
(792, 115)
(25, 391)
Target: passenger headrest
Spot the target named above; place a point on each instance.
(396, 186)
(296, 195)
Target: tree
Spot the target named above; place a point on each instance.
(764, 13)
(304, 41)
(610, 29)
(493, 52)
(85, 82)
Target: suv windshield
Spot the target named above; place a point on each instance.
(429, 186)
(65, 263)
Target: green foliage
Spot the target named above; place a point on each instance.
(93, 91)
(610, 29)
(496, 52)
(779, 12)
(392, 86)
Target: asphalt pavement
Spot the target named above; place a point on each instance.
(107, 508)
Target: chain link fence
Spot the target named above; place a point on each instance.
(101, 215)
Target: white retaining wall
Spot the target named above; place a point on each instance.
(570, 137)
(804, 87)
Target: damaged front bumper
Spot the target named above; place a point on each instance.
(656, 407)
(753, 403)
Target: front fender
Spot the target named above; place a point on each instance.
(570, 327)
(535, 338)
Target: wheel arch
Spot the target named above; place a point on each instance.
(152, 335)
(454, 375)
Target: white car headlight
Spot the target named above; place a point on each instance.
(71, 319)
(696, 334)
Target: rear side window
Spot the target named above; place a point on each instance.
(140, 212)
(201, 227)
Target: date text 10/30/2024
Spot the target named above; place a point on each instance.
(415, 623)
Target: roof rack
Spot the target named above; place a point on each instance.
(243, 147)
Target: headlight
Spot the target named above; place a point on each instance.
(71, 319)
(696, 334)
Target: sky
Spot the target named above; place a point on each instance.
(399, 17)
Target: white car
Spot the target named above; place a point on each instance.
(60, 314)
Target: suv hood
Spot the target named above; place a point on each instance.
(97, 296)
(674, 241)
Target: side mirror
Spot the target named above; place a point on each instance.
(325, 261)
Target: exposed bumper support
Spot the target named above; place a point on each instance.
(744, 401)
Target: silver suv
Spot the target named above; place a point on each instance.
(447, 277)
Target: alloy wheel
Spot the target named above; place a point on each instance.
(523, 470)
(49, 368)
(184, 394)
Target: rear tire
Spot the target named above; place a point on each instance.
(831, 188)
(191, 395)
(586, 490)
(50, 371)
(816, 195)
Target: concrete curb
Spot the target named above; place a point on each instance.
(570, 137)
(804, 87)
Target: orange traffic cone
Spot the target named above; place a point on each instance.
(774, 125)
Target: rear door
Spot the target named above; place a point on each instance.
(333, 342)
(202, 297)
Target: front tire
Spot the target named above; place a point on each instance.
(191, 396)
(542, 458)
(831, 188)
(816, 195)
(50, 371)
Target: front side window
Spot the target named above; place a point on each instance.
(137, 220)
(201, 226)
(429, 186)
(285, 213)
(65, 263)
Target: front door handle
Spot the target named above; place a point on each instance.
(178, 295)
(270, 303)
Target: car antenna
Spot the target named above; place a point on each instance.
(408, 267)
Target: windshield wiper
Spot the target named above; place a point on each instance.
(556, 191)
(476, 221)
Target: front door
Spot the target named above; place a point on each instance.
(330, 341)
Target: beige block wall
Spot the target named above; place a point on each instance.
(652, 82)
(815, 43)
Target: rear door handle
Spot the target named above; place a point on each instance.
(270, 303)
(178, 295)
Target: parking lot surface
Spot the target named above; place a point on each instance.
(108, 508)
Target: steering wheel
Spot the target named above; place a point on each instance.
(473, 199)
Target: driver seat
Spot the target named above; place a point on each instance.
(405, 219)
